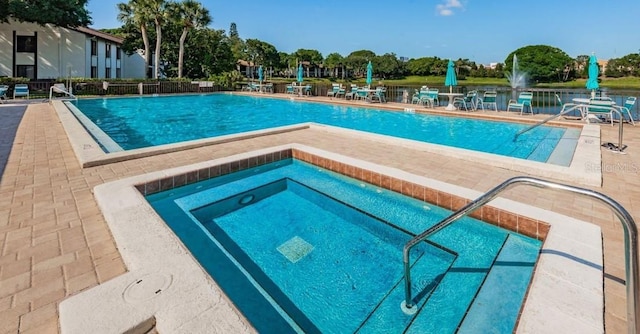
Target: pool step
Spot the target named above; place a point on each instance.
(548, 143)
(563, 153)
(491, 312)
(388, 317)
(448, 304)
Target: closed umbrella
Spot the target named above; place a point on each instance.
(260, 74)
(300, 78)
(369, 73)
(450, 79)
(592, 82)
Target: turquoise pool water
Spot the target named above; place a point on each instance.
(137, 122)
(301, 249)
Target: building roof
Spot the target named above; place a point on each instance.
(100, 34)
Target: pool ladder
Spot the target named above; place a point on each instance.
(628, 224)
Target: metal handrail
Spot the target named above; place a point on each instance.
(55, 89)
(628, 224)
(562, 112)
(618, 148)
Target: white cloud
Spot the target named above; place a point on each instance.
(446, 9)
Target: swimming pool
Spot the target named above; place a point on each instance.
(293, 246)
(140, 122)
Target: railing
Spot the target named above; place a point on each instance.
(544, 100)
(41, 89)
(628, 224)
(618, 148)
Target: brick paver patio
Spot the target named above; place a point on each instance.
(55, 243)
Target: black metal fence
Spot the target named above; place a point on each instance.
(544, 99)
(40, 89)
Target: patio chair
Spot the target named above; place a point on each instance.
(334, 90)
(350, 95)
(467, 101)
(361, 94)
(21, 90)
(379, 95)
(422, 97)
(489, 98)
(289, 90)
(600, 109)
(307, 90)
(523, 101)
(3, 93)
(626, 108)
(433, 95)
(564, 106)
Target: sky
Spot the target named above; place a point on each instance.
(484, 31)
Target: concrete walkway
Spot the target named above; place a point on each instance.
(54, 241)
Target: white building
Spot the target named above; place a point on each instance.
(49, 52)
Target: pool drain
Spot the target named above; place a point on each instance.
(146, 288)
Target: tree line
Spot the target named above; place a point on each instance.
(186, 47)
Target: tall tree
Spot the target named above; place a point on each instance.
(358, 60)
(237, 44)
(190, 14)
(64, 13)
(542, 63)
(157, 10)
(134, 13)
(335, 61)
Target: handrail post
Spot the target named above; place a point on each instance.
(632, 267)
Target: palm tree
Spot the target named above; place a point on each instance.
(190, 14)
(134, 13)
(158, 11)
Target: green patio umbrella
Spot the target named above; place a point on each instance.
(592, 82)
(300, 78)
(369, 73)
(260, 74)
(450, 79)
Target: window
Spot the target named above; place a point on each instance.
(117, 52)
(107, 49)
(26, 44)
(118, 74)
(26, 71)
(107, 72)
(94, 71)
(94, 47)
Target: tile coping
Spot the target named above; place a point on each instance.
(566, 293)
(582, 169)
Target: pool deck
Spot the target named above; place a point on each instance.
(54, 240)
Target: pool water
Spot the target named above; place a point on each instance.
(302, 249)
(138, 122)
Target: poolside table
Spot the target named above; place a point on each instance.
(451, 96)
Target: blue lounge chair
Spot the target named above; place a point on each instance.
(351, 94)
(467, 101)
(490, 98)
(290, 90)
(433, 95)
(523, 101)
(21, 90)
(307, 90)
(336, 91)
(600, 108)
(378, 94)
